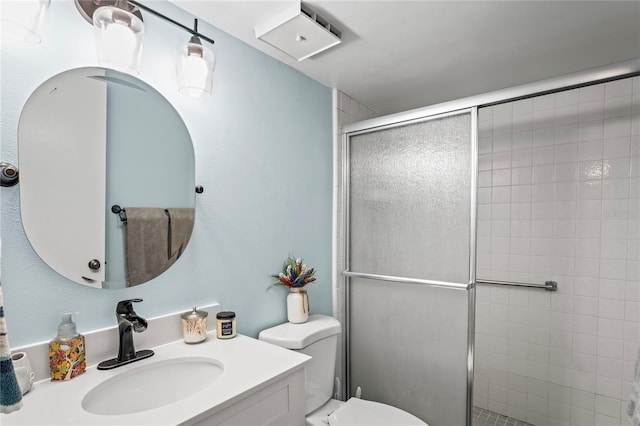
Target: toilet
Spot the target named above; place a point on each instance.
(318, 338)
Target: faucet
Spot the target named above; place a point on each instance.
(128, 323)
(128, 320)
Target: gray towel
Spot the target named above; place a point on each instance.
(180, 228)
(633, 406)
(147, 244)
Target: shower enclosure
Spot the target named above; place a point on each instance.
(411, 227)
(526, 177)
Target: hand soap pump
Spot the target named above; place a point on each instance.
(66, 351)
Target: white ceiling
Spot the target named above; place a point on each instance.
(399, 55)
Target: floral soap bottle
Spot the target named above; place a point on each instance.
(66, 351)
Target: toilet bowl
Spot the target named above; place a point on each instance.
(318, 338)
(360, 412)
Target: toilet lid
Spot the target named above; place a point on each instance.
(358, 411)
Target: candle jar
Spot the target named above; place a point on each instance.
(225, 325)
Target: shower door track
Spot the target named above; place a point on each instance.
(590, 77)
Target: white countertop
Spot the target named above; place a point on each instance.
(249, 365)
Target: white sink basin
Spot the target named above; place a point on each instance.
(151, 386)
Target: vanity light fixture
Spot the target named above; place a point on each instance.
(194, 67)
(120, 34)
(23, 19)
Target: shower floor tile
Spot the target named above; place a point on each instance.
(482, 417)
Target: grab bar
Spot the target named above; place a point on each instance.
(548, 285)
(431, 283)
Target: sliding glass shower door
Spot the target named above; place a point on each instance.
(410, 222)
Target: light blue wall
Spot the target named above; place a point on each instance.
(263, 145)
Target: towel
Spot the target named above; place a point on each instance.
(147, 243)
(10, 393)
(180, 228)
(633, 406)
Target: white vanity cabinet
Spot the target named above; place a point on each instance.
(279, 403)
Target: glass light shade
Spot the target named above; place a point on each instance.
(23, 19)
(195, 67)
(119, 37)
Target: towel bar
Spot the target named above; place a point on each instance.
(405, 280)
(120, 212)
(123, 214)
(548, 285)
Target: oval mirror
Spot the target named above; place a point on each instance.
(92, 142)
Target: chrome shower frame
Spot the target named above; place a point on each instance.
(466, 105)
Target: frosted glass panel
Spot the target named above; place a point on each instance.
(409, 194)
(410, 200)
(409, 348)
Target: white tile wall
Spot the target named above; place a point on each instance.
(348, 110)
(559, 198)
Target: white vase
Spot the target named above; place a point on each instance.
(297, 306)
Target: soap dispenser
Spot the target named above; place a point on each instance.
(66, 351)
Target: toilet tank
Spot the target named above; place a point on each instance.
(318, 338)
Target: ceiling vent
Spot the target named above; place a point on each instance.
(300, 32)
